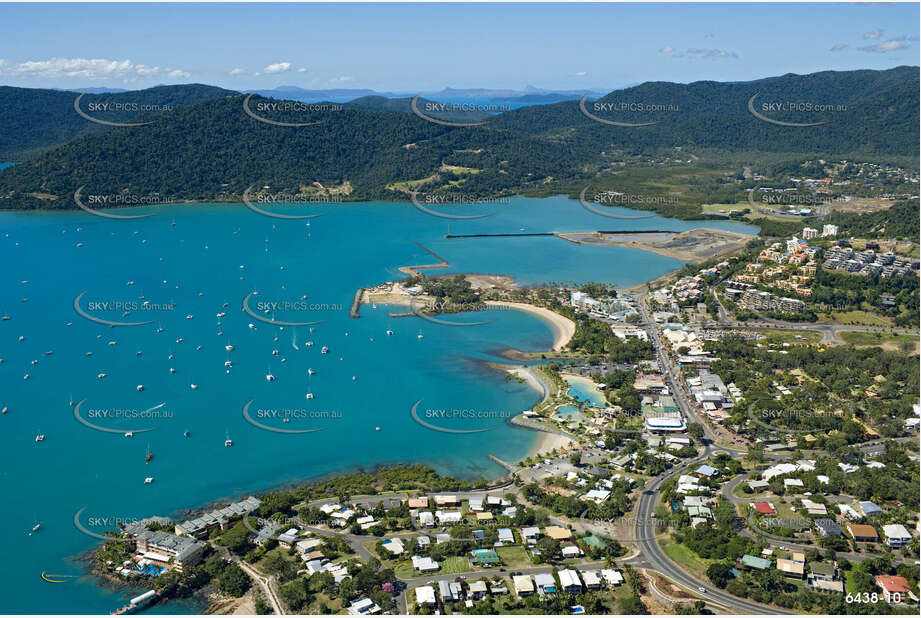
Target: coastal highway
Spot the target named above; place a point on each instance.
(654, 558)
(651, 555)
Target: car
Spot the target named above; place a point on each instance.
(702, 589)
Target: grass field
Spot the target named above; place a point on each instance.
(863, 318)
(514, 557)
(454, 564)
(686, 558)
(902, 343)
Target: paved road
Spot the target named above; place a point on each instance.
(651, 554)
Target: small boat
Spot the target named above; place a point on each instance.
(377, 429)
(324, 350)
(419, 336)
(171, 370)
(101, 375)
(310, 372)
(309, 344)
(6, 318)
(40, 437)
(21, 338)
(389, 332)
(149, 455)
(186, 433)
(140, 387)
(26, 376)
(229, 348)
(129, 434)
(193, 386)
(36, 527)
(269, 377)
(309, 396)
(5, 410)
(228, 441)
(148, 480)
(274, 352)
(227, 363)
(189, 317)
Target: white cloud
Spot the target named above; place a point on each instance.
(711, 53)
(342, 78)
(581, 74)
(838, 46)
(872, 34)
(88, 68)
(667, 49)
(278, 67)
(884, 47)
(302, 70)
(237, 71)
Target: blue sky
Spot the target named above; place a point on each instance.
(415, 47)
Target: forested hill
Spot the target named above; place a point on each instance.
(214, 149)
(36, 119)
(880, 115)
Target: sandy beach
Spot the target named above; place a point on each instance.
(547, 442)
(588, 383)
(563, 327)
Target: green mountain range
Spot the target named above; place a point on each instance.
(376, 148)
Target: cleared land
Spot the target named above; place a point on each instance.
(694, 245)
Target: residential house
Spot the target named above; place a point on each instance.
(394, 546)
(790, 568)
(364, 607)
(569, 581)
(824, 578)
(530, 534)
(425, 595)
(424, 564)
(484, 557)
(828, 527)
(545, 583)
(896, 535)
(895, 588)
(524, 585)
(863, 533)
(478, 589)
(571, 551)
(753, 562)
(591, 580)
(612, 576)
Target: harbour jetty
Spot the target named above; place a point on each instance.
(356, 303)
(413, 270)
(137, 603)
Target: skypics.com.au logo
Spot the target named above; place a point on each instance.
(286, 113)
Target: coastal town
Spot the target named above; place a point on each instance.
(664, 478)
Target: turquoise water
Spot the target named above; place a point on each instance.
(570, 413)
(584, 392)
(190, 257)
(3, 165)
